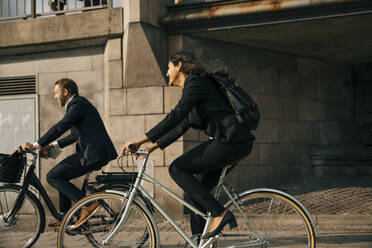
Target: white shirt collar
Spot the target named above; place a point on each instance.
(69, 100)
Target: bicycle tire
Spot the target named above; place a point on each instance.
(139, 230)
(126, 188)
(29, 222)
(280, 221)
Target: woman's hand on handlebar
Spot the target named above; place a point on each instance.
(131, 147)
(151, 147)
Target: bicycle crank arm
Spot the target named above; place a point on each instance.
(210, 241)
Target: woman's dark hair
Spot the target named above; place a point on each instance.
(69, 85)
(190, 63)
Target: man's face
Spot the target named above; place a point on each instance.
(61, 95)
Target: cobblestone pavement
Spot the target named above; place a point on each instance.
(342, 208)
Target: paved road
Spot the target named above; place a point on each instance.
(324, 240)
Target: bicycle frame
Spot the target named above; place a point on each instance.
(32, 179)
(137, 187)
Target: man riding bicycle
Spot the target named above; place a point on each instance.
(94, 148)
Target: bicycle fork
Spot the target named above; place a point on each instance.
(132, 195)
(7, 219)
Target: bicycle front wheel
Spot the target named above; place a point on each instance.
(22, 219)
(137, 231)
(268, 219)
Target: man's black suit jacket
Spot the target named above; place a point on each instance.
(87, 128)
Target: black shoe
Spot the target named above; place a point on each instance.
(228, 218)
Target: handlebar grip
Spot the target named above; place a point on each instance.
(132, 147)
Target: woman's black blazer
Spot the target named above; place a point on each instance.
(200, 97)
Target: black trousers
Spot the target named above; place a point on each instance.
(207, 159)
(59, 178)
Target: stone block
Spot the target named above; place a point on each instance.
(328, 86)
(127, 128)
(152, 120)
(289, 109)
(175, 43)
(145, 51)
(297, 132)
(269, 176)
(173, 208)
(62, 29)
(88, 81)
(98, 101)
(172, 152)
(333, 132)
(114, 74)
(237, 54)
(49, 113)
(158, 157)
(97, 62)
(13, 67)
(148, 100)
(270, 107)
(188, 145)
(118, 101)
(310, 66)
(292, 154)
(275, 107)
(65, 64)
(191, 135)
(171, 97)
(267, 131)
(113, 49)
(310, 110)
(253, 157)
(46, 82)
(245, 76)
(267, 81)
(296, 85)
(338, 111)
(270, 153)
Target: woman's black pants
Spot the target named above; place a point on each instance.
(208, 160)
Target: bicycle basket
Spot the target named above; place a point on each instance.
(11, 168)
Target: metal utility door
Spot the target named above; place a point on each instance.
(18, 122)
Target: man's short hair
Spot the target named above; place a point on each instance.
(68, 84)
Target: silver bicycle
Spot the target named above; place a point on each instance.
(265, 217)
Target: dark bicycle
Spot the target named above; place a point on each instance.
(22, 216)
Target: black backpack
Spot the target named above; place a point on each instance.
(246, 110)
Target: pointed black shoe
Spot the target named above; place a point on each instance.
(228, 218)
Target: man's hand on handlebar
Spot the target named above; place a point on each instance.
(28, 147)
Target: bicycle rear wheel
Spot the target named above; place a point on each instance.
(138, 230)
(24, 227)
(279, 221)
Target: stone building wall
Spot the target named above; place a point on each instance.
(303, 102)
(93, 69)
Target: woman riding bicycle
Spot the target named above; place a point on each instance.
(201, 106)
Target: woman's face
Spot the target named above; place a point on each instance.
(172, 73)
